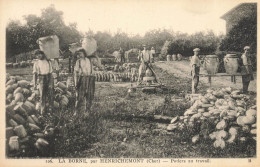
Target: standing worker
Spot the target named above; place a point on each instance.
(152, 52)
(246, 69)
(195, 69)
(42, 70)
(121, 51)
(146, 59)
(84, 81)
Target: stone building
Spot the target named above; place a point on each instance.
(239, 12)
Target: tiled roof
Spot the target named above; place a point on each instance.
(238, 7)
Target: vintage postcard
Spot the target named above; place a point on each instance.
(129, 83)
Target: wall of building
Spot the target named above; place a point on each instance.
(242, 11)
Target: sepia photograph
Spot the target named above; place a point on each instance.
(148, 82)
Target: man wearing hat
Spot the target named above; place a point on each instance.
(152, 51)
(146, 59)
(246, 69)
(121, 51)
(42, 70)
(195, 69)
(84, 81)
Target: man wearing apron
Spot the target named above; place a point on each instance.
(195, 69)
(42, 70)
(146, 58)
(84, 81)
(246, 69)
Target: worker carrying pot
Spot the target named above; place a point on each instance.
(246, 69)
(146, 59)
(42, 72)
(84, 81)
(195, 69)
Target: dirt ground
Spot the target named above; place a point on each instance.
(121, 126)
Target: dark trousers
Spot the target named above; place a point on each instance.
(85, 92)
(246, 80)
(195, 79)
(46, 91)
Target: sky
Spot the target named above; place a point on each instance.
(131, 16)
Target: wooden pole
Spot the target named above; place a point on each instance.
(209, 80)
(192, 86)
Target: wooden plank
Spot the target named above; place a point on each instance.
(162, 118)
(209, 80)
(219, 75)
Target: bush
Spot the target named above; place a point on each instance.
(184, 44)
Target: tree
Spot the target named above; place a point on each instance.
(156, 38)
(104, 42)
(17, 36)
(184, 44)
(22, 38)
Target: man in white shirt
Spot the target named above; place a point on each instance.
(84, 80)
(42, 70)
(246, 69)
(195, 69)
(152, 51)
(121, 51)
(146, 59)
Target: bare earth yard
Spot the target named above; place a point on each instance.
(123, 126)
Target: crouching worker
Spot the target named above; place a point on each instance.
(84, 82)
(42, 70)
(195, 69)
(246, 69)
